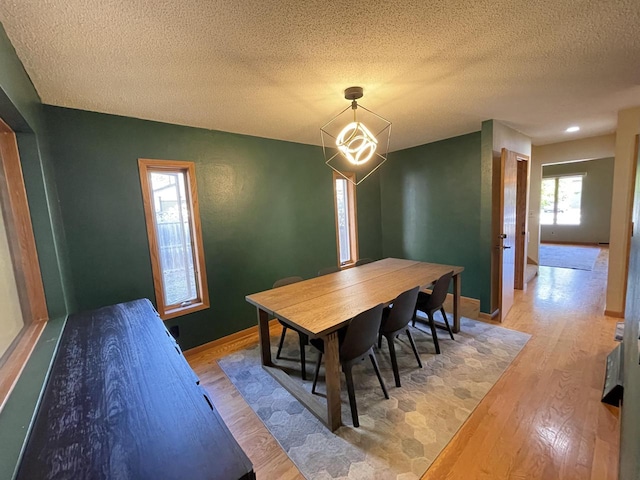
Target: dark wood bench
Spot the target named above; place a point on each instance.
(121, 402)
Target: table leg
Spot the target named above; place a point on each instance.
(332, 369)
(265, 340)
(456, 303)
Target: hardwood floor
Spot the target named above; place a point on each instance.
(268, 458)
(542, 420)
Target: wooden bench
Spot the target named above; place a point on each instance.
(121, 402)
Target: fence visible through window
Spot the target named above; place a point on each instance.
(342, 211)
(176, 259)
(173, 227)
(346, 221)
(173, 224)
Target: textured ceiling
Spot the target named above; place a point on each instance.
(277, 68)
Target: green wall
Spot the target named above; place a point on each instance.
(20, 107)
(597, 193)
(486, 256)
(266, 208)
(430, 197)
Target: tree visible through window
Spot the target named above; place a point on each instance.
(560, 200)
(346, 227)
(173, 227)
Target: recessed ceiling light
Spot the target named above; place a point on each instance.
(575, 128)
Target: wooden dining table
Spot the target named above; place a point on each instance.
(321, 306)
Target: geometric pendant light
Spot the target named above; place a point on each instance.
(356, 140)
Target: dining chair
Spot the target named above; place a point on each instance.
(395, 320)
(302, 337)
(356, 343)
(430, 303)
(328, 270)
(363, 261)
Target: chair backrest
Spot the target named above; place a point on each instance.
(328, 270)
(439, 292)
(402, 311)
(286, 281)
(363, 261)
(362, 333)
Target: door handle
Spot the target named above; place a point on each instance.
(503, 235)
(506, 246)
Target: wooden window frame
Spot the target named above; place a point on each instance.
(146, 167)
(350, 179)
(556, 179)
(24, 258)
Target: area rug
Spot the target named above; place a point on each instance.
(398, 438)
(569, 256)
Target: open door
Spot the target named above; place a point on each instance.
(511, 179)
(506, 238)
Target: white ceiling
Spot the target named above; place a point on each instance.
(277, 69)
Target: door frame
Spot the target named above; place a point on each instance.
(522, 220)
(636, 159)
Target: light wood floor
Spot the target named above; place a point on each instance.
(542, 420)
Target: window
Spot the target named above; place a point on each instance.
(175, 236)
(23, 308)
(346, 225)
(560, 200)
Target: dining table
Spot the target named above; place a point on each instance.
(321, 306)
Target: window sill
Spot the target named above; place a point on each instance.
(16, 357)
(179, 311)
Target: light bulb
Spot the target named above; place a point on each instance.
(356, 143)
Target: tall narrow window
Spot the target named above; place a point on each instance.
(23, 308)
(346, 224)
(175, 236)
(560, 200)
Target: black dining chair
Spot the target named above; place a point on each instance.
(356, 343)
(429, 303)
(395, 320)
(303, 337)
(328, 270)
(363, 261)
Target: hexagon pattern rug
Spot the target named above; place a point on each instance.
(397, 438)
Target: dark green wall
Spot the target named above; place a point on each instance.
(430, 197)
(486, 260)
(266, 208)
(20, 107)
